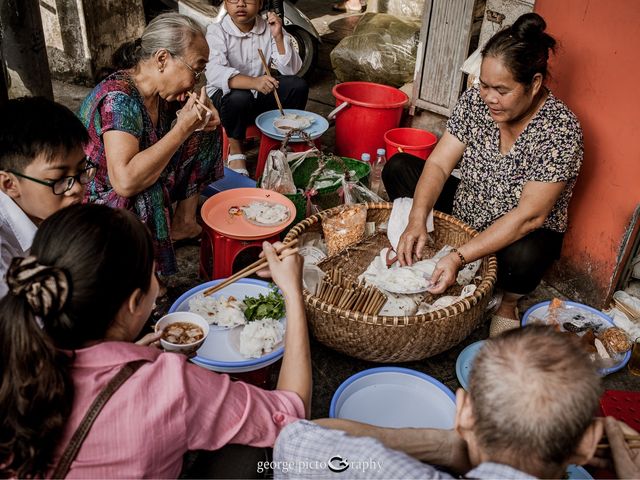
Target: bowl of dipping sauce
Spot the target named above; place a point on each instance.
(182, 332)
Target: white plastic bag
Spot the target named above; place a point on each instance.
(277, 174)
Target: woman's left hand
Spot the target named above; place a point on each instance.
(150, 339)
(445, 273)
(275, 25)
(213, 119)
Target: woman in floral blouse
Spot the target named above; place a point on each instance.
(519, 151)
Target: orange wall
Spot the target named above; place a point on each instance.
(596, 72)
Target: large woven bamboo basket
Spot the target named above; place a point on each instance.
(398, 339)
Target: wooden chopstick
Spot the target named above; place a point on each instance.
(251, 269)
(202, 105)
(633, 441)
(275, 91)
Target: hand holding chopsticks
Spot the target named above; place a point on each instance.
(268, 72)
(282, 251)
(211, 116)
(620, 449)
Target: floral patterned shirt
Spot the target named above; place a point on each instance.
(548, 150)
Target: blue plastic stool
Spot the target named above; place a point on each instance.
(230, 180)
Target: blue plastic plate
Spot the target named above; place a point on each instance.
(539, 309)
(217, 352)
(264, 122)
(394, 397)
(465, 362)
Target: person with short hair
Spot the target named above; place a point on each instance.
(42, 169)
(67, 325)
(236, 79)
(151, 155)
(529, 412)
(519, 151)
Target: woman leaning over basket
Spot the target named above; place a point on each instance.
(149, 155)
(66, 328)
(519, 150)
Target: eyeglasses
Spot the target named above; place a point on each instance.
(64, 184)
(246, 2)
(196, 73)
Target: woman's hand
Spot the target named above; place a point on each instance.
(264, 84)
(286, 273)
(412, 240)
(275, 25)
(445, 273)
(150, 339)
(190, 117)
(212, 119)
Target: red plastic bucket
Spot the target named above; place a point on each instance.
(410, 140)
(370, 110)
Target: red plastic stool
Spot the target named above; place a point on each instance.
(251, 132)
(217, 252)
(267, 144)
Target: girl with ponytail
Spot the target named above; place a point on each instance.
(519, 151)
(66, 330)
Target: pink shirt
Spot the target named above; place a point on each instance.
(167, 407)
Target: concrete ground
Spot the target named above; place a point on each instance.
(330, 368)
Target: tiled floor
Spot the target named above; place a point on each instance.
(329, 367)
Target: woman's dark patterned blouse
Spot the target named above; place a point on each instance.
(548, 150)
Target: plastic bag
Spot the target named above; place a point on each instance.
(277, 174)
(355, 192)
(382, 50)
(401, 8)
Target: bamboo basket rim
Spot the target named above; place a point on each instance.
(484, 288)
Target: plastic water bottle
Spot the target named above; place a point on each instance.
(376, 174)
(365, 157)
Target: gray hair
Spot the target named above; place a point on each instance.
(534, 392)
(171, 31)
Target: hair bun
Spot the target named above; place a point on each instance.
(45, 288)
(528, 26)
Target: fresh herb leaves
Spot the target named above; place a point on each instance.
(264, 306)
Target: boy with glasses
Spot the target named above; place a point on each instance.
(43, 169)
(236, 81)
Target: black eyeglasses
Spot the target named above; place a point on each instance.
(64, 184)
(196, 73)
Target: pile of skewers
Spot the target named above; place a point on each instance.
(338, 290)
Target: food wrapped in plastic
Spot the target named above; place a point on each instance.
(382, 49)
(345, 228)
(401, 8)
(277, 174)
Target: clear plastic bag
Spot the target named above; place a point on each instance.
(277, 174)
(382, 49)
(355, 192)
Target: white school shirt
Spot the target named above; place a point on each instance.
(233, 52)
(16, 236)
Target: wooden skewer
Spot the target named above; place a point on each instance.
(251, 269)
(268, 72)
(202, 105)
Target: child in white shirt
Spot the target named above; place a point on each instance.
(236, 81)
(43, 169)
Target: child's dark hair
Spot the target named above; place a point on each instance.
(86, 261)
(523, 47)
(32, 126)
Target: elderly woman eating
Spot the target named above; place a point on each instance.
(519, 150)
(148, 155)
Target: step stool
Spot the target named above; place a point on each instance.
(218, 252)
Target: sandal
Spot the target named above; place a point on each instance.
(501, 324)
(235, 157)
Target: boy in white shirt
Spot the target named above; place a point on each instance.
(43, 169)
(236, 81)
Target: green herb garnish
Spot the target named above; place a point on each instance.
(264, 306)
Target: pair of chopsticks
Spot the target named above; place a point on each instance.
(633, 441)
(266, 69)
(251, 269)
(199, 104)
